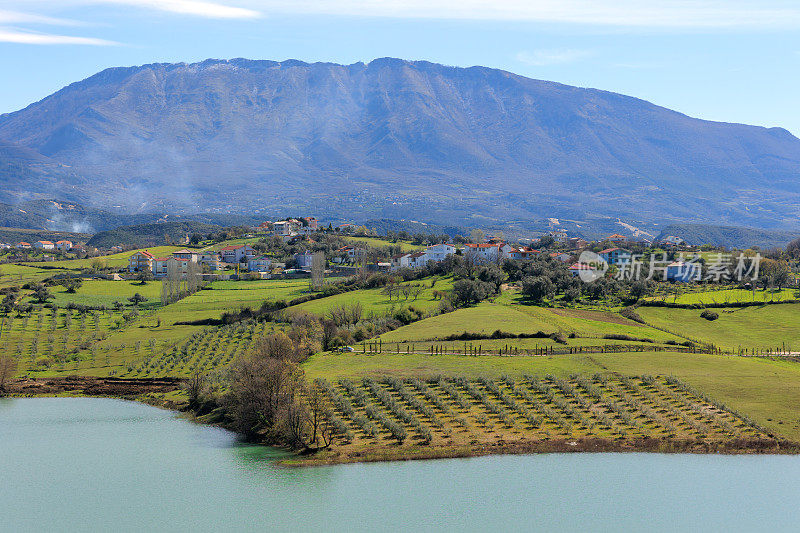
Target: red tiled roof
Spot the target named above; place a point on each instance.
(44, 242)
(581, 266)
(609, 250)
(487, 245)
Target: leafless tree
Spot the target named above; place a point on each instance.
(317, 271)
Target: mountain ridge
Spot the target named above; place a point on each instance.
(395, 139)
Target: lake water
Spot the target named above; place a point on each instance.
(79, 464)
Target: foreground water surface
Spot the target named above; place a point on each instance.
(81, 464)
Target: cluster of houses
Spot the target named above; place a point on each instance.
(289, 228)
(243, 256)
(62, 246)
(485, 252)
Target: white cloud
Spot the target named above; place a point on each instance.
(626, 13)
(17, 17)
(22, 37)
(541, 58)
(198, 8)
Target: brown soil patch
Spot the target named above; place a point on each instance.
(600, 316)
(91, 386)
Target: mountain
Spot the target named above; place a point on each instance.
(145, 235)
(391, 139)
(730, 236)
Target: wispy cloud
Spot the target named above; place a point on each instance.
(626, 13)
(23, 37)
(198, 8)
(17, 17)
(542, 58)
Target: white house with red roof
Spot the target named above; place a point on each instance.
(161, 266)
(44, 245)
(64, 246)
(139, 261)
(23, 245)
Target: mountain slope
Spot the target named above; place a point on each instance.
(396, 139)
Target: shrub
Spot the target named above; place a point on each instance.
(631, 314)
(709, 315)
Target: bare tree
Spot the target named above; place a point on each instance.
(317, 271)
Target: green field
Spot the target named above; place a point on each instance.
(374, 301)
(768, 326)
(487, 317)
(729, 296)
(767, 391)
(149, 342)
(378, 243)
(100, 292)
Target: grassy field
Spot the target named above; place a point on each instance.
(729, 296)
(487, 317)
(152, 344)
(99, 292)
(768, 326)
(11, 274)
(765, 390)
(119, 260)
(378, 243)
(374, 301)
(458, 412)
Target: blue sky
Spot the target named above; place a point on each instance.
(730, 60)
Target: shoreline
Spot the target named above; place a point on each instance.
(138, 390)
(111, 387)
(331, 457)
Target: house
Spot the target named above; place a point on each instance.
(673, 241)
(304, 260)
(576, 243)
(140, 261)
(559, 235)
(577, 268)
(684, 271)
(399, 261)
(210, 260)
(482, 252)
(235, 254)
(4, 246)
(259, 264)
(438, 252)
(311, 223)
(23, 245)
(616, 238)
(516, 252)
(115, 249)
(561, 256)
(285, 228)
(44, 245)
(189, 255)
(161, 266)
(417, 259)
(615, 256)
(64, 246)
(352, 252)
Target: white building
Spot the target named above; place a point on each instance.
(483, 252)
(259, 264)
(64, 246)
(438, 252)
(234, 254)
(44, 245)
